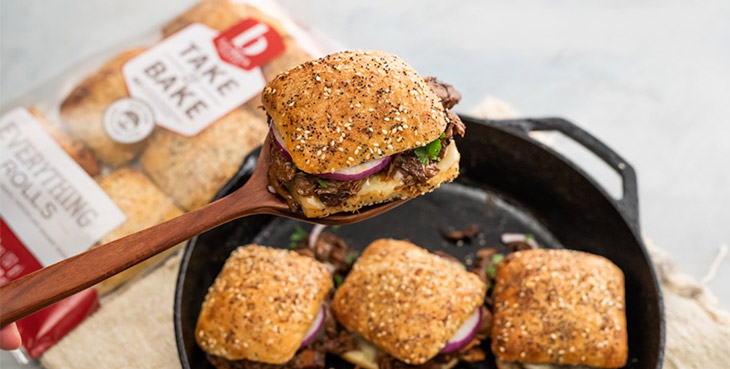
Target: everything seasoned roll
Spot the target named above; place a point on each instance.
(358, 128)
(192, 169)
(559, 309)
(265, 306)
(144, 206)
(412, 305)
(84, 108)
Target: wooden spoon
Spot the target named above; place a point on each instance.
(51, 284)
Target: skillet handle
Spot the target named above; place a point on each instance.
(628, 204)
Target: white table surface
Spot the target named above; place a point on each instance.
(650, 78)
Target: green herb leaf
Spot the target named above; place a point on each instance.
(335, 227)
(350, 257)
(496, 258)
(422, 154)
(491, 271)
(321, 183)
(430, 151)
(298, 235)
(434, 148)
(529, 237)
(338, 280)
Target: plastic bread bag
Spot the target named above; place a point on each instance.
(134, 137)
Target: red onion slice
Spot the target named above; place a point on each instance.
(314, 235)
(519, 237)
(358, 171)
(465, 333)
(348, 174)
(316, 326)
(279, 143)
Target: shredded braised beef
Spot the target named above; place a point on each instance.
(281, 172)
(337, 255)
(484, 259)
(413, 171)
(389, 362)
(461, 234)
(304, 359)
(333, 193)
(330, 250)
(285, 177)
(455, 126)
(337, 340)
(446, 92)
(519, 246)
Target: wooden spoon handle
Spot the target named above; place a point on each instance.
(46, 286)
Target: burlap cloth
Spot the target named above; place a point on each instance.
(134, 327)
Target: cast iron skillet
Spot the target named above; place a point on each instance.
(508, 183)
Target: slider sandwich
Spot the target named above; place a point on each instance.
(265, 308)
(409, 306)
(358, 128)
(559, 309)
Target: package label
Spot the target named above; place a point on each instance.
(129, 120)
(54, 208)
(249, 44)
(185, 82)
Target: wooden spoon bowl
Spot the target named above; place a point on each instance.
(51, 284)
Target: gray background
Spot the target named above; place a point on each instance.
(650, 78)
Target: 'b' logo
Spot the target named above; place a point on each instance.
(249, 44)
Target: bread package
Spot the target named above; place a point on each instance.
(143, 132)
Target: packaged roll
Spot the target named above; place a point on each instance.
(217, 14)
(144, 205)
(223, 14)
(73, 147)
(192, 169)
(84, 108)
